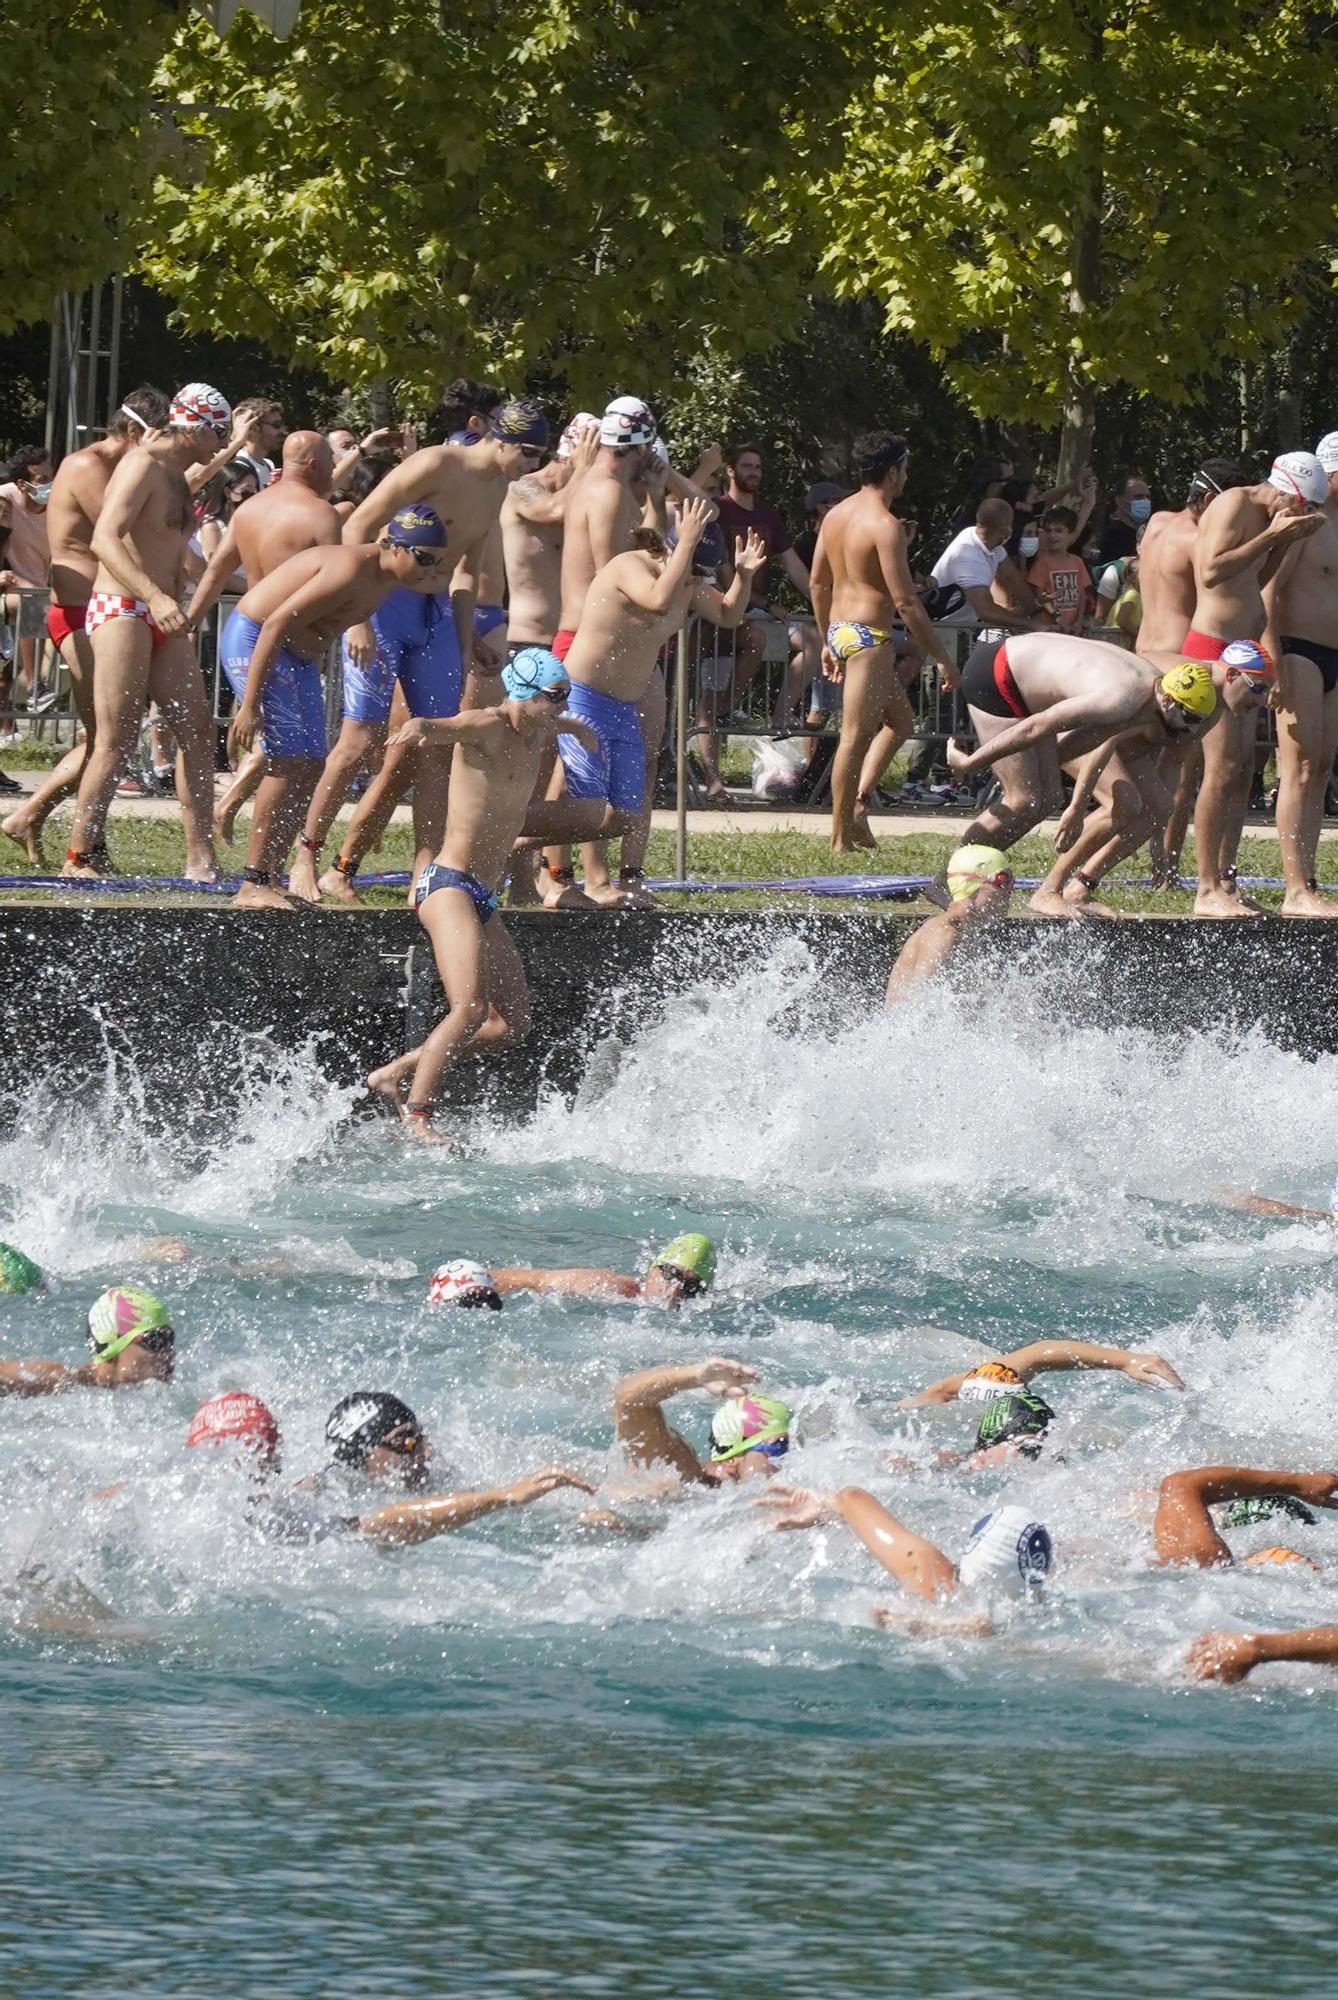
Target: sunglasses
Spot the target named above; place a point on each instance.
(533, 454)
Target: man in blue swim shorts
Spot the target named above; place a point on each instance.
(428, 644)
(497, 756)
(271, 648)
(630, 609)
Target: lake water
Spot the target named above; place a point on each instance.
(530, 1760)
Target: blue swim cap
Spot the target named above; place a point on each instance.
(520, 421)
(711, 552)
(415, 528)
(533, 670)
(466, 437)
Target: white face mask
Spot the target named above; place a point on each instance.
(1029, 545)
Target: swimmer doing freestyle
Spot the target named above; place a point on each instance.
(683, 1269)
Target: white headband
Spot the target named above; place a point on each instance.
(134, 416)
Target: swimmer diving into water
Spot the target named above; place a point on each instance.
(980, 883)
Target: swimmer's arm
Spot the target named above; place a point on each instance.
(728, 608)
(639, 1421)
(685, 488)
(448, 728)
(603, 517)
(924, 954)
(295, 612)
(464, 596)
(398, 489)
(820, 586)
(538, 504)
(1183, 1531)
(1258, 1204)
(1043, 1357)
(901, 589)
(1230, 1656)
(656, 593)
(577, 1283)
(1089, 771)
(214, 581)
(43, 1378)
(406, 1521)
(243, 433)
(918, 1566)
(1080, 712)
(1221, 559)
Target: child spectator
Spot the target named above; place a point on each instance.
(1059, 576)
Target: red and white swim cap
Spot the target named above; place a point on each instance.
(197, 407)
(234, 1418)
(627, 421)
(462, 1282)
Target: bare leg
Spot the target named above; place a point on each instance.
(873, 695)
(1307, 735)
(243, 787)
(357, 744)
(177, 685)
(485, 988)
(284, 795)
(369, 822)
(1221, 810)
(1030, 784)
(25, 823)
(1166, 862)
(122, 650)
(632, 875)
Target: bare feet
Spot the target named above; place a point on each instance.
(1052, 903)
(606, 895)
(851, 846)
(1221, 903)
(338, 887)
(418, 1126)
(390, 1080)
(79, 871)
(1083, 903)
(20, 829)
(262, 896)
(205, 869)
(636, 896)
(860, 831)
(566, 896)
(302, 878)
(1296, 903)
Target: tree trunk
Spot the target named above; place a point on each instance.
(1078, 421)
(378, 395)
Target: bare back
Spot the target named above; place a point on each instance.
(1166, 584)
(532, 549)
(152, 504)
(493, 775)
(449, 478)
(1050, 667)
(351, 587)
(601, 517)
(77, 493)
(617, 641)
(860, 540)
(280, 521)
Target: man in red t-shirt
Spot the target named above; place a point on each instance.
(741, 511)
(1062, 578)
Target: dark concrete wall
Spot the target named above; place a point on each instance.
(186, 992)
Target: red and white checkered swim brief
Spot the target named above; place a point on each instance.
(105, 605)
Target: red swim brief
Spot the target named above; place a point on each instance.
(63, 620)
(105, 606)
(1007, 686)
(1202, 646)
(562, 643)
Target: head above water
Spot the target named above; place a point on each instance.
(973, 869)
(240, 1422)
(373, 1433)
(127, 1317)
(1007, 1552)
(750, 1423)
(17, 1272)
(1019, 1418)
(990, 1379)
(462, 1282)
(685, 1266)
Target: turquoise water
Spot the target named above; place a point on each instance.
(532, 1760)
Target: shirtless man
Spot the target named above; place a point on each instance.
(1302, 602)
(290, 514)
(630, 609)
(1026, 692)
(861, 585)
(1242, 538)
(497, 753)
(1184, 1532)
(427, 643)
(130, 1336)
(77, 494)
(683, 1269)
(142, 644)
(534, 518)
(273, 646)
(980, 883)
(749, 1432)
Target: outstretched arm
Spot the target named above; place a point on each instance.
(1081, 712)
(639, 1421)
(728, 608)
(1041, 1357)
(917, 1565)
(1230, 1656)
(217, 570)
(578, 1283)
(1183, 1530)
(406, 1521)
(42, 1378)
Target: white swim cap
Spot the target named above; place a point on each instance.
(583, 421)
(627, 421)
(1007, 1551)
(464, 1283)
(990, 1379)
(1301, 474)
(1326, 451)
(198, 407)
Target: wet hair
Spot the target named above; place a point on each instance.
(1062, 517)
(20, 466)
(875, 454)
(651, 540)
(149, 404)
(464, 398)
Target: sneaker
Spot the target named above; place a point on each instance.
(44, 703)
(915, 795)
(134, 785)
(9, 786)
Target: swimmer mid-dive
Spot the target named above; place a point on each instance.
(682, 1270)
(132, 1341)
(980, 883)
(748, 1432)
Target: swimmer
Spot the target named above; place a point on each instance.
(862, 590)
(132, 1342)
(1027, 691)
(1258, 1204)
(1302, 635)
(142, 646)
(273, 645)
(748, 1432)
(980, 883)
(497, 754)
(1230, 1656)
(1242, 539)
(1184, 1531)
(1007, 1555)
(1043, 1357)
(683, 1270)
(1013, 1426)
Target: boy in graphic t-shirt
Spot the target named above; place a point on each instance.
(1062, 577)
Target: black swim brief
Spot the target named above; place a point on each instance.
(1323, 657)
(987, 681)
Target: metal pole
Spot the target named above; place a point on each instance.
(74, 321)
(53, 382)
(681, 757)
(114, 358)
(90, 409)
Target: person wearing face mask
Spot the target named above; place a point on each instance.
(1131, 508)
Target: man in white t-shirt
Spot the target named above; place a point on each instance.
(969, 574)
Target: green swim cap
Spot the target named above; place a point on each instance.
(122, 1314)
(1018, 1418)
(750, 1423)
(692, 1254)
(1259, 1507)
(17, 1272)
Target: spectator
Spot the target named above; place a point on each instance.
(221, 499)
(741, 511)
(1060, 578)
(972, 572)
(1119, 600)
(805, 668)
(985, 481)
(1132, 507)
(26, 484)
(265, 422)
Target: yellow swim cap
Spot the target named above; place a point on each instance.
(972, 867)
(1191, 685)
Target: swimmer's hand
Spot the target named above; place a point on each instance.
(693, 517)
(957, 754)
(924, 1625)
(245, 727)
(360, 644)
(548, 1481)
(831, 667)
(1319, 1488)
(948, 674)
(1222, 1656)
(572, 725)
(410, 734)
(1152, 1370)
(1288, 528)
(1068, 829)
(167, 614)
(489, 652)
(797, 1507)
(724, 1377)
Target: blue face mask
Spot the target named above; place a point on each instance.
(1140, 510)
(41, 493)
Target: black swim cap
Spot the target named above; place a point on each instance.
(1019, 1417)
(366, 1419)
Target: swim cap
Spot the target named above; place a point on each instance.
(464, 1283)
(235, 1418)
(415, 527)
(711, 551)
(122, 1314)
(750, 1423)
(1018, 1417)
(1007, 1550)
(1247, 658)
(1248, 1513)
(533, 670)
(17, 1272)
(197, 407)
(1326, 451)
(626, 422)
(970, 868)
(366, 1419)
(692, 1254)
(1300, 474)
(1190, 686)
(1264, 1557)
(991, 1379)
(583, 421)
(466, 437)
(521, 421)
